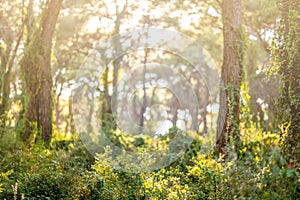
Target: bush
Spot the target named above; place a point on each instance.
(263, 172)
(260, 172)
(45, 185)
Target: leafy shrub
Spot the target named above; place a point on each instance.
(263, 172)
(45, 185)
(260, 172)
(4, 176)
(207, 179)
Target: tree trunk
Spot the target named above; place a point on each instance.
(57, 109)
(144, 102)
(289, 59)
(106, 104)
(195, 123)
(6, 85)
(37, 71)
(174, 109)
(228, 120)
(204, 111)
(45, 92)
(71, 118)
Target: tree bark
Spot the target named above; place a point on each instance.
(231, 77)
(45, 92)
(37, 71)
(288, 111)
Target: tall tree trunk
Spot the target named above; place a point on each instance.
(37, 74)
(45, 92)
(289, 69)
(231, 77)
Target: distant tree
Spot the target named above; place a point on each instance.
(11, 38)
(110, 102)
(259, 19)
(231, 77)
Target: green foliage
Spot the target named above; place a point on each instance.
(4, 176)
(45, 185)
(208, 180)
(261, 172)
(40, 173)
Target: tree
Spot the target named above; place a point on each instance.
(231, 77)
(259, 18)
(36, 67)
(109, 105)
(11, 41)
(288, 59)
(70, 50)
